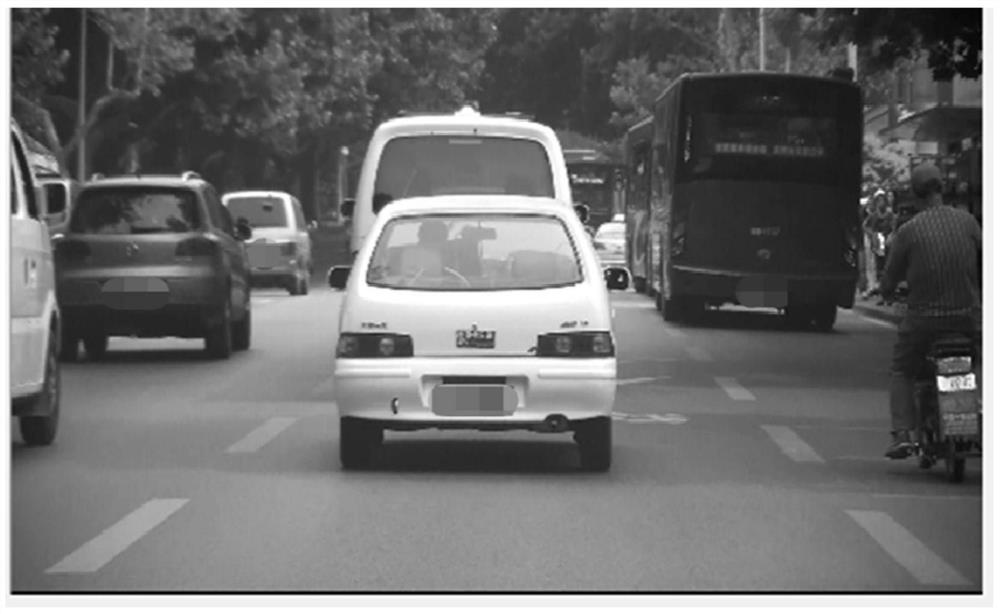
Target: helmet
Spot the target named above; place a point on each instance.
(925, 180)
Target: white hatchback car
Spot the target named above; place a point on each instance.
(476, 312)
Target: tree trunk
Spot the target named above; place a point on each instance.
(307, 181)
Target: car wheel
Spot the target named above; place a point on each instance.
(304, 283)
(241, 332)
(594, 440)
(639, 285)
(40, 430)
(69, 346)
(219, 340)
(358, 441)
(797, 316)
(825, 316)
(96, 345)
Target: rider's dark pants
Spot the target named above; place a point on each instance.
(912, 344)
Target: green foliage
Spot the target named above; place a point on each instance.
(885, 164)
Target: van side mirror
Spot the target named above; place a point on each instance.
(616, 278)
(583, 212)
(337, 277)
(243, 229)
(56, 198)
(347, 207)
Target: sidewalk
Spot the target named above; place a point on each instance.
(870, 307)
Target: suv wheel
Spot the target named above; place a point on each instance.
(69, 347)
(358, 441)
(96, 345)
(219, 340)
(241, 332)
(594, 439)
(40, 430)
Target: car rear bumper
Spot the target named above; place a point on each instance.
(399, 392)
(726, 285)
(274, 276)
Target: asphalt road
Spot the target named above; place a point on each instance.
(746, 458)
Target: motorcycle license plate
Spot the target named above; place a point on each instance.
(956, 383)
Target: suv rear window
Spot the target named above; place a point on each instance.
(135, 210)
(435, 165)
(258, 211)
(474, 252)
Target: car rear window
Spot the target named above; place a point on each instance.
(130, 210)
(259, 211)
(611, 232)
(474, 252)
(435, 165)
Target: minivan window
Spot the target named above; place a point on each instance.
(259, 211)
(433, 165)
(128, 210)
(474, 252)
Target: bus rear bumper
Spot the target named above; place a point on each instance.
(760, 289)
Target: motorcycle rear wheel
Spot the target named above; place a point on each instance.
(953, 464)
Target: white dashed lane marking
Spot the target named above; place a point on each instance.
(259, 437)
(640, 380)
(99, 551)
(791, 444)
(919, 560)
(733, 388)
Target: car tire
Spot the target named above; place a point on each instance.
(219, 339)
(69, 346)
(825, 316)
(96, 345)
(797, 316)
(40, 430)
(639, 285)
(594, 440)
(241, 332)
(358, 441)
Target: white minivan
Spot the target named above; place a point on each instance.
(35, 325)
(462, 153)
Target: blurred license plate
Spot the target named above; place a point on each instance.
(480, 339)
(264, 256)
(762, 292)
(954, 383)
(135, 293)
(472, 400)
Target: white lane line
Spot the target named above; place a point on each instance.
(734, 390)
(261, 435)
(698, 354)
(632, 305)
(640, 380)
(642, 361)
(833, 427)
(99, 551)
(893, 495)
(791, 444)
(922, 563)
(673, 332)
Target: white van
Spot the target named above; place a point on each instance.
(462, 153)
(35, 329)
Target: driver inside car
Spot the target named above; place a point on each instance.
(427, 257)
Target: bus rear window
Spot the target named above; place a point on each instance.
(436, 165)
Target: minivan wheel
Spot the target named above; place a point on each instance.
(825, 316)
(219, 339)
(96, 345)
(594, 440)
(69, 347)
(358, 440)
(40, 429)
(241, 332)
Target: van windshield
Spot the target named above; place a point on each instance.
(121, 211)
(434, 165)
(258, 211)
(474, 252)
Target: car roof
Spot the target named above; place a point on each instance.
(466, 121)
(162, 181)
(258, 194)
(487, 203)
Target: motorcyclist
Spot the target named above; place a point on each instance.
(936, 253)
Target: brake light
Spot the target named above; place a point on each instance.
(71, 251)
(678, 239)
(374, 345)
(289, 249)
(196, 247)
(576, 345)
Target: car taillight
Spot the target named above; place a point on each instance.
(576, 345)
(374, 345)
(71, 251)
(289, 249)
(598, 245)
(678, 239)
(196, 246)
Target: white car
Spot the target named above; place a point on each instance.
(483, 313)
(35, 325)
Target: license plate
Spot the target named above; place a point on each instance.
(960, 424)
(138, 285)
(762, 292)
(472, 400)
(264, 256)
(479, 339)
(954, 364)
(139, 293)
(955, 383)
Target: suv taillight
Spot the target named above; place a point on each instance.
(576, 345)
(195, 247)
(69, 250)
(374, 345)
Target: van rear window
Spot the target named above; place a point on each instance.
(130, 210)
(440, 164)
(259, 211)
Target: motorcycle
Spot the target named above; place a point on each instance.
(949, 406)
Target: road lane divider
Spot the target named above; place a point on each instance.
(260, 436)
(100, 551)
(920, 561)
(733, 388)
(632, 381)
(793, 446)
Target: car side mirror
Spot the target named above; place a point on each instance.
(56, 198)
(583, 211)
(347, 207)
(313, 225)
(243, 230)
(337, 277)
(616, 278)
